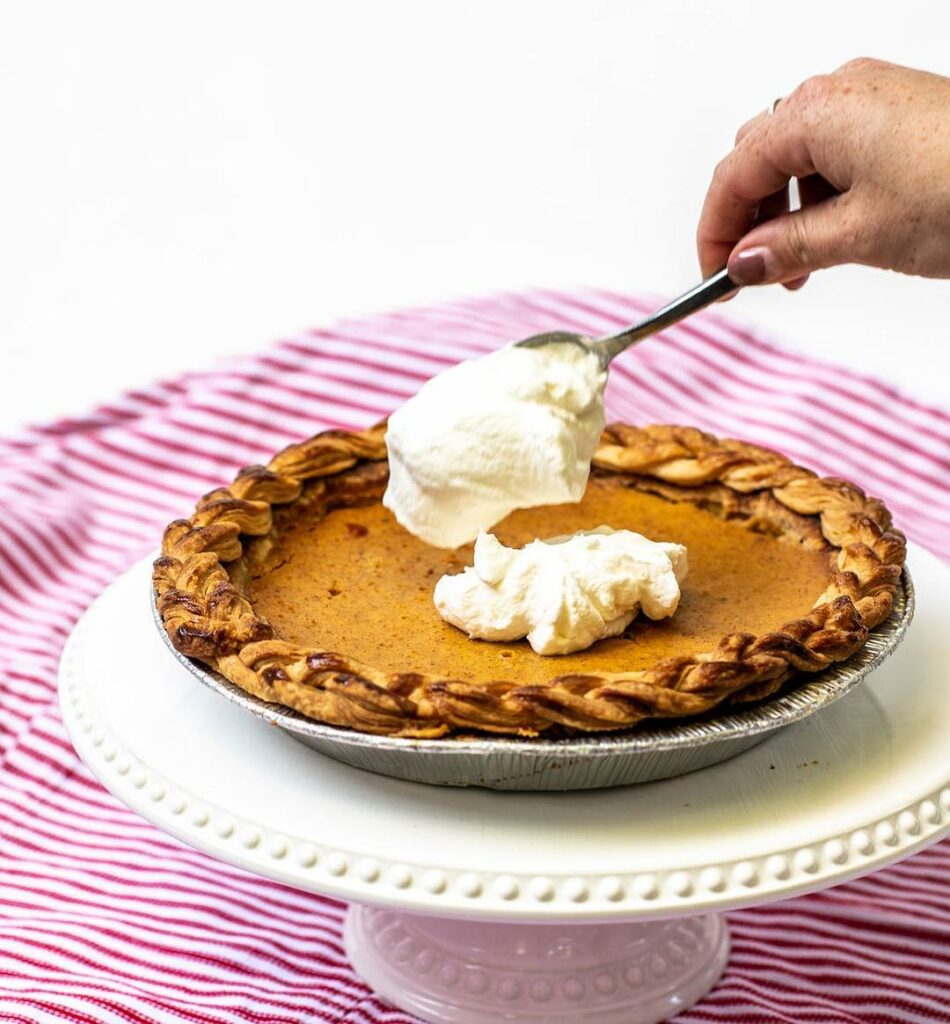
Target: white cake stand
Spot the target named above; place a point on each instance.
(472, 906)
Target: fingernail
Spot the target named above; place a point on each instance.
(750, 266)
(795, 283)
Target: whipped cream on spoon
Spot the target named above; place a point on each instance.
(514, 429)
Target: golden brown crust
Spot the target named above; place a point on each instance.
(208, 616)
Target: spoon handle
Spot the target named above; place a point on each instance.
(704, 294)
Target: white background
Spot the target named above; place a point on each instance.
(179, 181)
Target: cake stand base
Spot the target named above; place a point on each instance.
(447, 971)
(592, 906)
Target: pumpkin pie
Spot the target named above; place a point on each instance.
(295, 583)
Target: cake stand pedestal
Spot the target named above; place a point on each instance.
(471, 905)
(470, 972)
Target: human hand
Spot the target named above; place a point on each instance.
(870, 145)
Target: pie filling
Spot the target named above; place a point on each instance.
(355, 581)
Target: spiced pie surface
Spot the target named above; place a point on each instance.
(297, 584)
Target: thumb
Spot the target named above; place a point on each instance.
(794, 244)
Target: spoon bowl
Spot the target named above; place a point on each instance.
(607, 349)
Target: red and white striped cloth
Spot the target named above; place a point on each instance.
(105, 919)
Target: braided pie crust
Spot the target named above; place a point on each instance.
(200, 584)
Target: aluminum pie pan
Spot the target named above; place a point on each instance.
(644, 754)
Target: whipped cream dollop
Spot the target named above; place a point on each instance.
(563, 594)
(514, 429)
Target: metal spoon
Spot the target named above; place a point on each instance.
(606, 349)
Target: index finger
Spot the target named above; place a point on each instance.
(764, 159)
